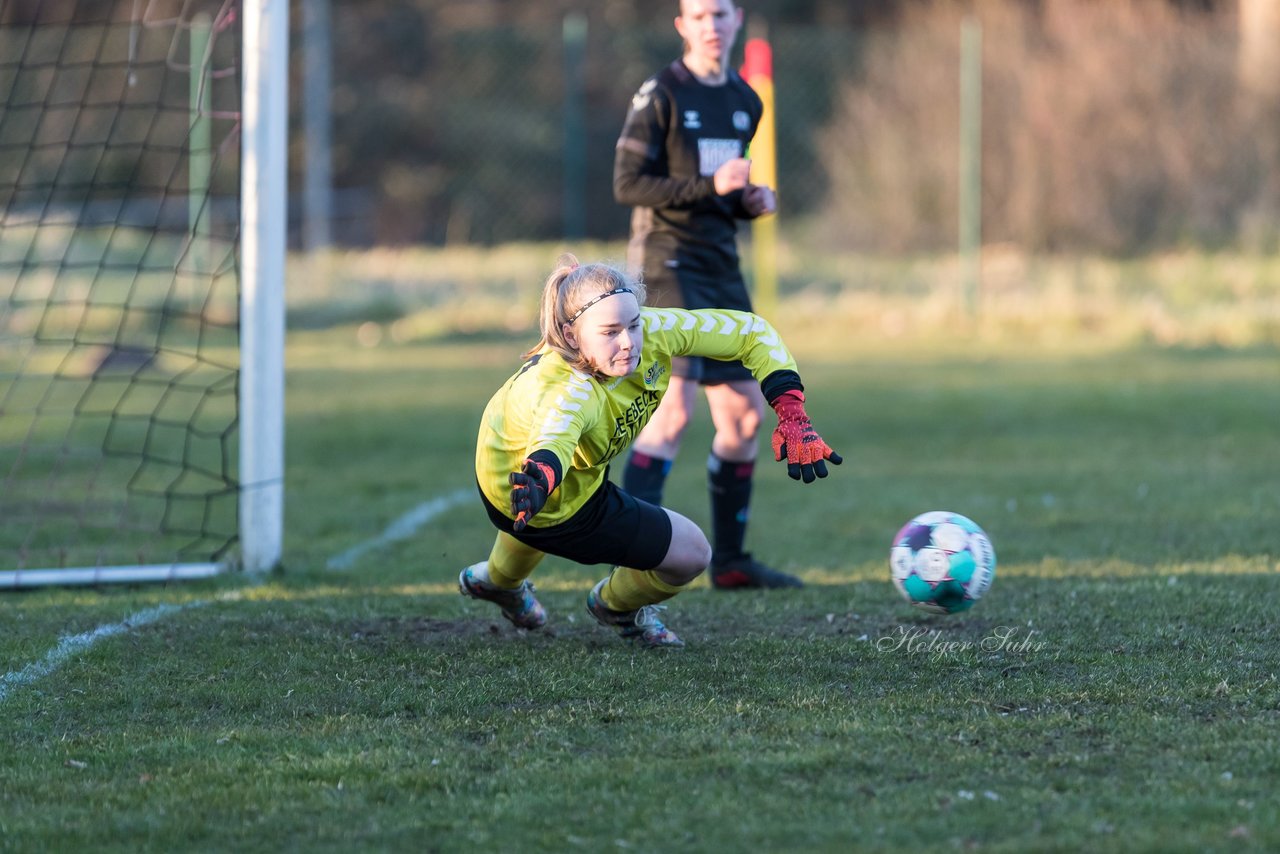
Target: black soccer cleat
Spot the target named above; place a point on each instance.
(746, 573)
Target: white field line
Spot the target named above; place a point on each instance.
(403, 528)
(69, 645)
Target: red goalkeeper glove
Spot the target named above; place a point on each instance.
(796, 440)
(529, 490)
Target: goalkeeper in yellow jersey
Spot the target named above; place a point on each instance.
(583, 393)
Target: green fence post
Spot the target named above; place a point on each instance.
(971, 163)
(200, 144)
(575, 155)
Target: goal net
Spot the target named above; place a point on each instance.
(120, 290)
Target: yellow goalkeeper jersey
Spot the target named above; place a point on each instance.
(549, 405)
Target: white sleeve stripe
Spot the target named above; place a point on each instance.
(657, 319)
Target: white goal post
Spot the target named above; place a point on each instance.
(119, 403)
(264, 217)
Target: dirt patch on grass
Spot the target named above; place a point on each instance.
(428, 631)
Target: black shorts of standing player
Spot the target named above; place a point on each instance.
(611, 528)
(675, 287)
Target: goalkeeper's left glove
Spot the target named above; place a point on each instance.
(529, 490)
(795, 439)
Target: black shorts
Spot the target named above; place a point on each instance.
(613, 527)
(676, 287)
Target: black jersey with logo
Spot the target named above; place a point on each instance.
(678, 131)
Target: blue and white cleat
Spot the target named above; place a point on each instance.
(641, 626)
(519, 606)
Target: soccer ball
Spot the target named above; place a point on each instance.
(942, 562)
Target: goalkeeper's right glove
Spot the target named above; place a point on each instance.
(529, 490)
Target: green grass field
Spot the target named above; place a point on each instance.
(1116, 690)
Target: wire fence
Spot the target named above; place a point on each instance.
(1118, 128)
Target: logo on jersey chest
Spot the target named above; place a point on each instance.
(692, 119)
(741, 120)
(655, 371)
(631, 421)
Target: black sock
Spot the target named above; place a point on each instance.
(644, 476)
(730, 487)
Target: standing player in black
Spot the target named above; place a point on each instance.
(680, 163)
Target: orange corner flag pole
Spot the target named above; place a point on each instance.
(757, 70)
